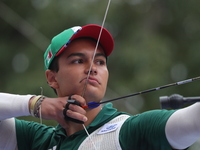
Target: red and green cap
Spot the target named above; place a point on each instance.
(60, 42)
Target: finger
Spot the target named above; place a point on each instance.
(76, 115)
(77, 108)
(80, 99)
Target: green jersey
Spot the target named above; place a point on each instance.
(145, 131)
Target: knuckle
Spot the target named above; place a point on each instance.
(77, 109)
(73, 107)
(79, 99)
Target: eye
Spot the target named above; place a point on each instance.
(100, 62)
(77, 61)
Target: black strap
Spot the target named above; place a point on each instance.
(71, 101)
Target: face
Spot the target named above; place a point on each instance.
(74, 64)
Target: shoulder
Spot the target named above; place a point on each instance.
(33, 133)
(32, 129)
(151, 122)
(148, 128)
(151, 116)
(30, 125)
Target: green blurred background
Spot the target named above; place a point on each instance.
(157, 42)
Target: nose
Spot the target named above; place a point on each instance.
(92, 70)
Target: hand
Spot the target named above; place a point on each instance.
(52, 109)
(70, 102)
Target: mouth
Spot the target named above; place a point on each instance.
(90, 80)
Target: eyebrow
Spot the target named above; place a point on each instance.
(83, 55)
(76, 54)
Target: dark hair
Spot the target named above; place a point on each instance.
(54, 64)
(54, 67)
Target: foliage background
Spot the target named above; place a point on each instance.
(156, 43)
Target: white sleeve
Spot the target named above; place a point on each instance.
(12, 105)
(8, 140)
(183, 127)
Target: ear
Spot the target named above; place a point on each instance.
(51, 79)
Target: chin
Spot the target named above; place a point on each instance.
(92, 97)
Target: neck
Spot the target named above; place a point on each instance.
(74, 127)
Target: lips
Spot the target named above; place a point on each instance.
(90, 80)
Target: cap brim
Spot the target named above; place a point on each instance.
(93, 31)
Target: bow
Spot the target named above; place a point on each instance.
(92, 105)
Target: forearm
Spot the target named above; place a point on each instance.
(8, 134)
(183, 127)
(12, 105)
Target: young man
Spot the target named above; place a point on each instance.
(77, 71)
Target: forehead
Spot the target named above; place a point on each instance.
(83, 45)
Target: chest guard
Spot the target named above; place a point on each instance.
(105, 137)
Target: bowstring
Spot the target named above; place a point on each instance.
(95, 50)
(89, 72)
(89, 137)
(40, 108)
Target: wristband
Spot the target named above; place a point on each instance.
(33, 102)
(38, 106)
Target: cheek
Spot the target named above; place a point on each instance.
(69, 77)
(105, 77)
(63, 79)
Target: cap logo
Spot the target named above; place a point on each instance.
(49, 56)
